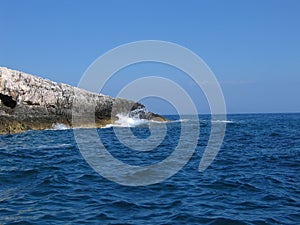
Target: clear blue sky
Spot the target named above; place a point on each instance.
(253, 47)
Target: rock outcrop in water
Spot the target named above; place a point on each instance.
(30, 102)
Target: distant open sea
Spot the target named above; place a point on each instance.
(255, 178)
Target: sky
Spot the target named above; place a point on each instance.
(252, 47)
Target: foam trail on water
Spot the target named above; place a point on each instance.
(222, 121)
(177, 121)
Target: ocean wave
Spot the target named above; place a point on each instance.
(46, 172)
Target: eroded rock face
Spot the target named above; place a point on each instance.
(31, 102)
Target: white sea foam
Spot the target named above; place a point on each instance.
(222, 121)
(59, 126)
(126, 121)
(179, 121)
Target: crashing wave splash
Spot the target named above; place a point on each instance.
(127, 121)
(132, 119)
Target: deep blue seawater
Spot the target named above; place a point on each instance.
(255, 178)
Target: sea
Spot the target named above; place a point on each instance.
(254, 178)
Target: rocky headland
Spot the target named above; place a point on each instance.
(29, 102)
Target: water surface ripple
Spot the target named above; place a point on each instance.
(254, 179)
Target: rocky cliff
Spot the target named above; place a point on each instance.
(30, 102)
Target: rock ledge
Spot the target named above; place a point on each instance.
(30, 102)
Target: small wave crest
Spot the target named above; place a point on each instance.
(222, 121)
(179, 121)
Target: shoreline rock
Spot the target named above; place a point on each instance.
(28, 102)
